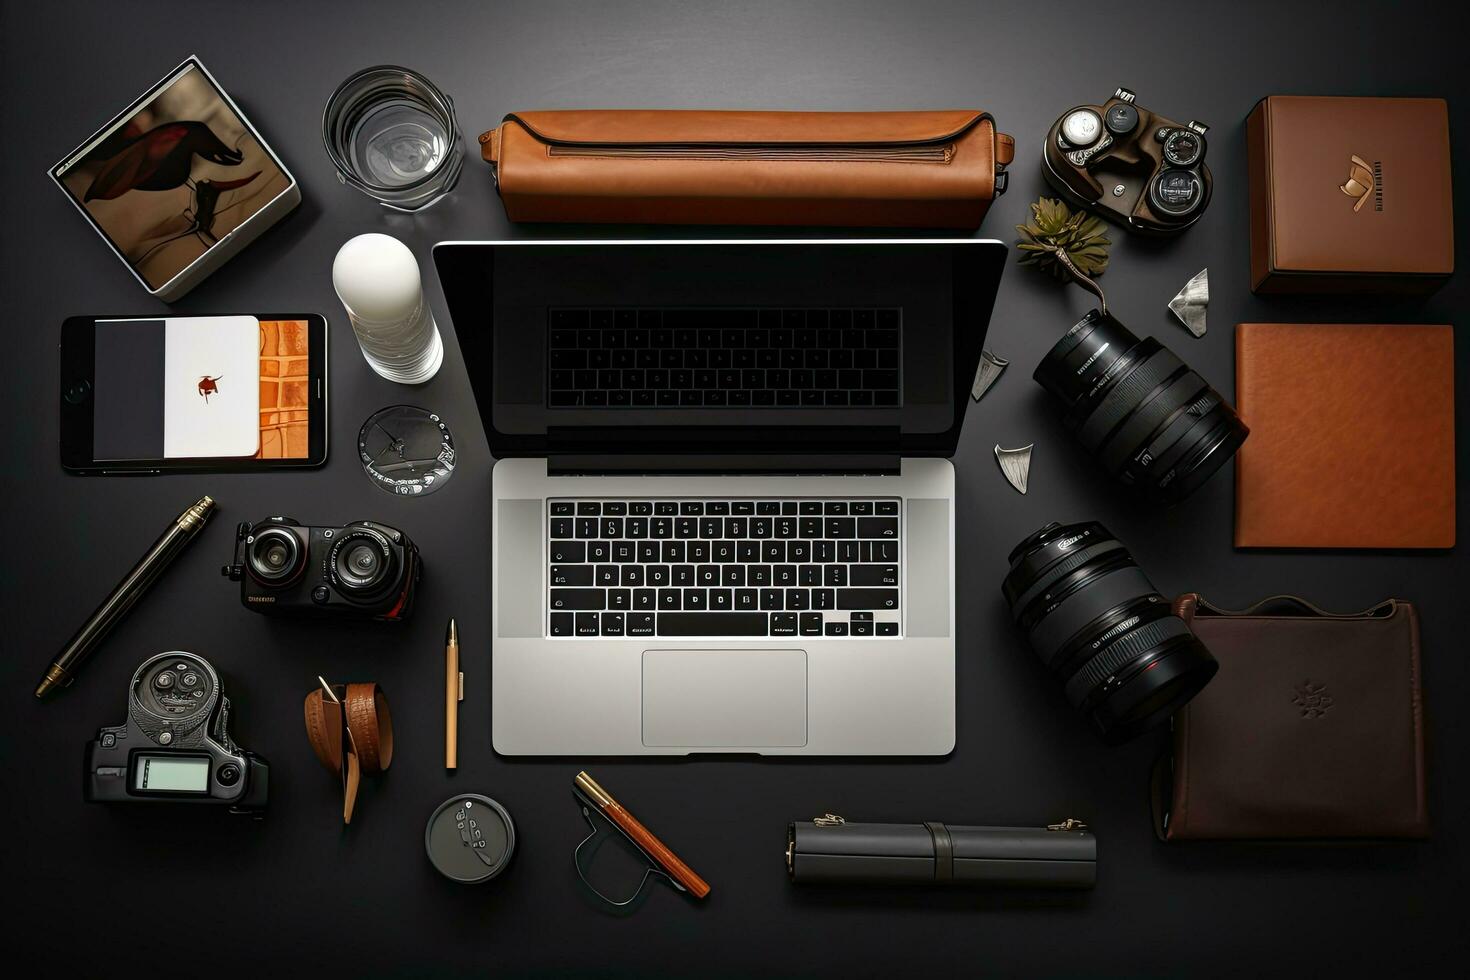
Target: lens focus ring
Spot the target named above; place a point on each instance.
(1132, 644)
(1127, 392)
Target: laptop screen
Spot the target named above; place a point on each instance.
(727, 346)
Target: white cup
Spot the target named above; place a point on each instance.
(377, 279)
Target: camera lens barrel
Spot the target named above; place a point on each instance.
(1096, 622)
(275, 556)
(362, 562)
(1148, 419)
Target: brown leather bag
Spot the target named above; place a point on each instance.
(938, 169)
(1312, 730)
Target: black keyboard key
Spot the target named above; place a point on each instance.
(562, 508)
(694, 507)
(773, 551)
(573, 575)
(712, 624)
(861, 629)
(645, 599)
(562, 624)
(789, 508)
(811, 624)
(810, 575)
(783, 624)
(760, 528)
(587, 527)
(886, 508)
(848, 551)
(873, 575)
(561, 527)
(837, 508)
(657, 576)
(661, 527)
(798, 599)
(861, 508)
(707, 575)
(599, 551)
(612, 624)
(771, 598)
(607, 575)
(698, 551)
(810, 527)
(824, 598)
(672, 552)
(632, 575)
(786, 527)
(721, 600)
(759, 574)
(768, 507)
(669, 598)
(619, 598)
(732, 575)
(836, 629)
(798, 551)
(623, 551)
(885, 551)
(887, 629)
(686, 527)
(586, 624)
(809, 507)
(824, 551)
(612, 527)
(636, 527)
(867, 598)
(835, 575)
(569, 552)
(640, 624)
(648, 552)
(588, 508)
(696, 599)
(840, 527)
(569, 599)
(722, 551)
(683, 575)
(877, 527)
(640, 508)
(615, 509)
(748, 552)
(711, 527)
(747, 599)
(743, 507)
(783, 575)
(665, 507)
(718, 507)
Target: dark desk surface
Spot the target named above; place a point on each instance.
(95, 885)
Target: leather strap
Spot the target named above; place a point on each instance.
(367, 748)
(943, 851)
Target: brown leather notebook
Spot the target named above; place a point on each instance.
(1352, 436)
(1312, 729)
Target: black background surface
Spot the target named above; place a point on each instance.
(97, 887)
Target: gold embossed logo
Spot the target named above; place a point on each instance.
(1364, 183)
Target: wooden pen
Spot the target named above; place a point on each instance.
(641, 836)
(453, 695)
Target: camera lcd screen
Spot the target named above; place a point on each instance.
(170, 774)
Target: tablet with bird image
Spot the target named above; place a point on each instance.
(172, 175)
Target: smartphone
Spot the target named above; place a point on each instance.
(212, 393)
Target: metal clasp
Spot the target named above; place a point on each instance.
(828, 820)
(1071, 823)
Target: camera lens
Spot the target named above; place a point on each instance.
(362, 562)
(1098, 625)
(274, 556)
(1175, 193)
(1138, 409)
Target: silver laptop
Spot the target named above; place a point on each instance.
(723, 507)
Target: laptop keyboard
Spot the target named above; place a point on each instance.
(748, 358)
(702, 567)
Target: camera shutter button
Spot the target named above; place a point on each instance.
(321, 594)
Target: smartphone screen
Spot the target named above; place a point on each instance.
(193, 390)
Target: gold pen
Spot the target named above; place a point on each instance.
(453, 695)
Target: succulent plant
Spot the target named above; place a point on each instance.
(1062, 242)
(1069, 246)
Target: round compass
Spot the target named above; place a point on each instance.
(406, 450)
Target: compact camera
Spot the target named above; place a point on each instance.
(176, 744)
(1131, 165)
(362, 570)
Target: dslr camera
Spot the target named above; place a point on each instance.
(176, 744)
(362, 570)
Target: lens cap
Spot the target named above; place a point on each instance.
(470, 838)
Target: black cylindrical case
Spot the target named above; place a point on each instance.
(830, 852)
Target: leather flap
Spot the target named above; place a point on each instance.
(651, 127)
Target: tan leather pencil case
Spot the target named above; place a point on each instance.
(931, 169)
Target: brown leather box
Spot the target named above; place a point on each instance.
(1352, 435)
(1350, 195)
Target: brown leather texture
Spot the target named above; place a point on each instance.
(362, 745)
(1312, 729)
(1350, 194)
(933, 169)
(1352, 436)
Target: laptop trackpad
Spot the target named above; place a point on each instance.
(724, 698)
